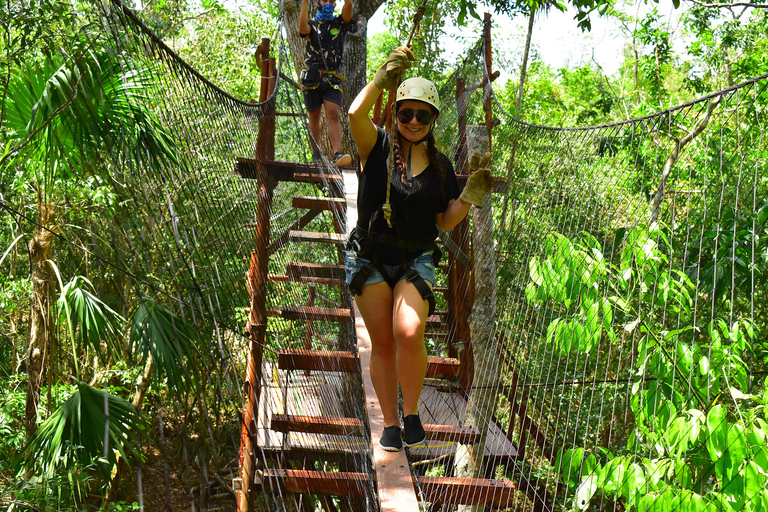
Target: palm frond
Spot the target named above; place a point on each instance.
(172, 342)
(90, 320)
(74, 435)
(66, 114)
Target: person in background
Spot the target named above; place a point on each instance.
(391, 269)
(320, 79)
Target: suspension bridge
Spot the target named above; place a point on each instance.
(562, 304)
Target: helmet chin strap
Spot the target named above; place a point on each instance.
(408, 171)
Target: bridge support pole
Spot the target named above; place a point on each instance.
(257, 284)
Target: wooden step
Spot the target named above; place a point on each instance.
(442, 367)
(342, 361)
(333, 483)
(436, 323)
(463, 435)
(467, 491)
(320, 203)
(284, 171)
(303, 269)
(315, 313)
(317, 237)
(311, 177)
(318, 360)
(280, 278)
(316, 425)
(353, 426)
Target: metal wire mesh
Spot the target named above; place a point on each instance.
(617, 277)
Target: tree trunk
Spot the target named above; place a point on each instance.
(524, 69)
(41, 327)
(353, 65)
(482, 397)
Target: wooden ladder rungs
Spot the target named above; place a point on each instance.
(343, 361)
(463, 435)
(320, 482)
(467, 491)
(436, 323)
(280, 278)
(315, 313)
(316, 424)
(334, 179)
(318, 237)
(442, 367)
(320, 203)
(303, 269)
(317, 360)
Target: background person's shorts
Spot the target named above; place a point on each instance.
(313, 98)
(424, 265)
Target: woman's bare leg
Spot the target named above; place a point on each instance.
(409, 315)
(375, 305)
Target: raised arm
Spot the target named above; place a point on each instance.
(304, 18)
(346, 11)
(360, 124)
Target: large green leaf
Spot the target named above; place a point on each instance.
(171, 341)
(90, 320)
(64, 114)
(74, 435)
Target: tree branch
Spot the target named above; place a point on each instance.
(673, 157)
(728, 5)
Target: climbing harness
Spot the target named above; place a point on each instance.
(312, 77)
(370, 249)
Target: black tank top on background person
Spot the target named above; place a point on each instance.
(325, 44)
(413, 210)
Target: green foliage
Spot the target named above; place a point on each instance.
(173, 344)
(89, 320)
(74, 436)
(652, 34)
(729, 49)
(699, 435)
(220, 43)
(64, 113)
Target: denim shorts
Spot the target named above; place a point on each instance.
(424, 264)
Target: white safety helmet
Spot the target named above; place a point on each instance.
(419, 89)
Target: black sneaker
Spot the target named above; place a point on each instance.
(414, 432)
(391, 440)
(340, 159)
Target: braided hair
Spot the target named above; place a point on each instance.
(437, 163)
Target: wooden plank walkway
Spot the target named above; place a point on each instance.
(393, 474)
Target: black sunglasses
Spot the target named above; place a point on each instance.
(422, 116)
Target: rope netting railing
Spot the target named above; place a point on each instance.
(181, 231)
(626, 364)
(606, 307)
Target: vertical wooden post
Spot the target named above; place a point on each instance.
(257, 277)
(460, 290)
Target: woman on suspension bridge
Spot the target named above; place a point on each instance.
(391, 254)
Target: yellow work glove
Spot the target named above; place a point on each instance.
(398, 61)
(480, 180)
